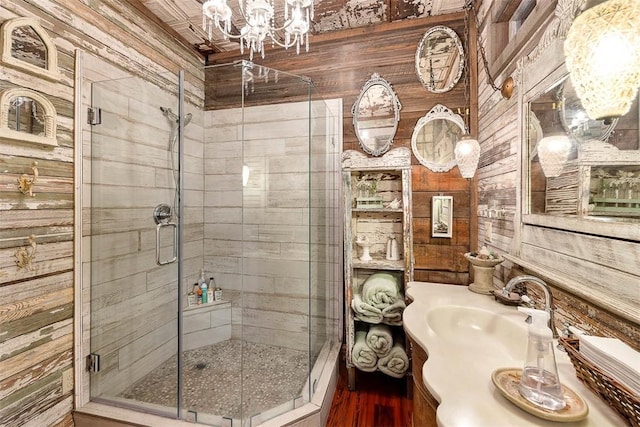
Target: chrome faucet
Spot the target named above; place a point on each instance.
(547, 296)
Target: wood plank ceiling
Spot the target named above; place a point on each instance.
(185, 16)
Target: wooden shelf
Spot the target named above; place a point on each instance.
(376, 225)
(378, 264)
(372, 210)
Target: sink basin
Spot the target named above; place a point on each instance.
(478, 330)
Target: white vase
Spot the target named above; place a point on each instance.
(393, 253)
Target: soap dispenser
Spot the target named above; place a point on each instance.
(540, 384)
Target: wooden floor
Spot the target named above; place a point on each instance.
(377, 401)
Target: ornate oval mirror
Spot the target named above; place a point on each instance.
(439, 59)
(376, 113)
(435, 136)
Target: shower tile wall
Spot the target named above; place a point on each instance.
(257, 241)
(134, 301)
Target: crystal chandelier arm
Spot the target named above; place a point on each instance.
(229, 35)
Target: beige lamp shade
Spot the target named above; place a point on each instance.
(602, 51)
(467, 154)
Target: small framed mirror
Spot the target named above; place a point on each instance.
(441, 216)
(376, 114)
(435, 136)
(25, 45)
(27, 116)
(439, 59)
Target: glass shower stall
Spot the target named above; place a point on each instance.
(240, 181)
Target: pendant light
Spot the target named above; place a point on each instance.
(602, 51)
(554, 147)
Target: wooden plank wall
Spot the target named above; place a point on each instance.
(339, 64)
(599, 275)
(36, 307)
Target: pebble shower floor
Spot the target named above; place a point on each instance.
(214, 376)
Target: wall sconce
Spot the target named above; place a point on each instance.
(553, 151)
(467, 152)
(602, 51)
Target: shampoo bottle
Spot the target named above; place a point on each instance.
(202, 282)
(540, 384)
(211, 289)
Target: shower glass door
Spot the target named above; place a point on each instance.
(134, 276)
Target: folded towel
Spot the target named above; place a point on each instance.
(380, 339)
(614, 357)
(362, 356)
(365, 312)
(392, 315)
(381, 290)
(395, 363)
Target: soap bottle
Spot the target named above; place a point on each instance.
(210, 290)
(198, 293)
(202, 282)
(540, 384)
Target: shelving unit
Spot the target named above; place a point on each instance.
(377, 225)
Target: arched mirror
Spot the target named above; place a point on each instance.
(376, 113)
(27, 46)
(435, 136)
(27, 116)
(439, 59)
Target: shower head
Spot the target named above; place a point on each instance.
(169, 114)
(174, 117)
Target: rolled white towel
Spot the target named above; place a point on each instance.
(381, 290)
(365, 312)
(362, 356)
(392, 315)
(395, 363)
(380, 339)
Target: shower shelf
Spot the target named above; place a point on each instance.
(208, 305)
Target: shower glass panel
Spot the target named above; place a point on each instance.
(134, 300)
(259, 196)
(270, 199)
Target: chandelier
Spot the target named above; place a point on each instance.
(602, 51)
(260, 23)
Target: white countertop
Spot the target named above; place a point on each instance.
(459, 378)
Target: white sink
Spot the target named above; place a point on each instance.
(478, 330)
(467, 336)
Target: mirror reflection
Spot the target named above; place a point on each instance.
(28, 46)
(26, 115)
(575, 120)
(435, 136)
(601, 177)
(439, 59)
(376, 113)
(442, 216)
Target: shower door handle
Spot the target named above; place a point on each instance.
(175, 242)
